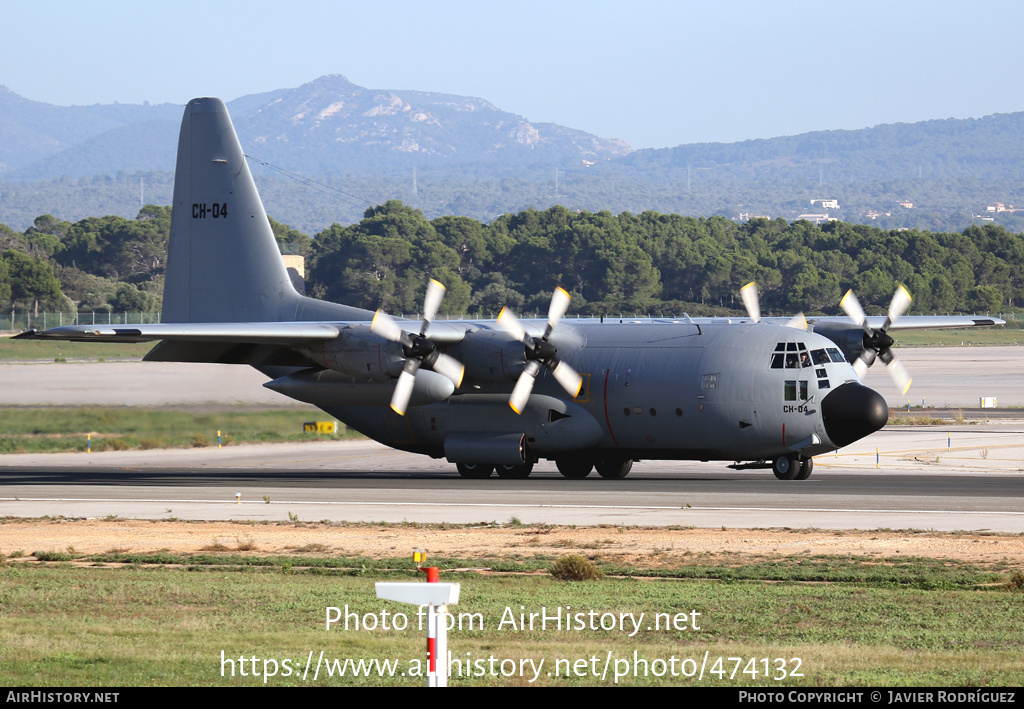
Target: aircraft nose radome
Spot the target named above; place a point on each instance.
(852, 412)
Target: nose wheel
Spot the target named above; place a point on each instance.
(787, 468)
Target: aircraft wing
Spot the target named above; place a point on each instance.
(918, 322)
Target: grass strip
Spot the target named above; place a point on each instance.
(896, 572)
(50, 429)
(50, 350)
(148, 625)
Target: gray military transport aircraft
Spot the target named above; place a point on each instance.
(503, 394)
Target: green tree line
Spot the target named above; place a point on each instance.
(662, 264)
(657, 263)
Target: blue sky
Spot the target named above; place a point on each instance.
(654, 73)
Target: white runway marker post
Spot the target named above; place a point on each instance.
(437, 597)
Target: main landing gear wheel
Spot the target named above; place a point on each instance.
(806, 466)
(515, 472)
(474, 471)
(614, 469)
(574, 469)
(786, 468)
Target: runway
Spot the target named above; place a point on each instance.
(917, 485)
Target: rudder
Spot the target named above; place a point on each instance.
(223, 263)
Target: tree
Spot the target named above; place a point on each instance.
(32, 283)
(384, 262)
(5, 282)
(289, 241)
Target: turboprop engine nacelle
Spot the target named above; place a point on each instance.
(847, 336)
(326, 388)
(359, 353)
(490, 356)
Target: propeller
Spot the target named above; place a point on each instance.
(752, 303)
(540, 353)
(877, 342)
(418, 350)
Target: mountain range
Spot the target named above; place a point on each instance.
(329, 127)
(447, 154)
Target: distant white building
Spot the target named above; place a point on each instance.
(826, 203)
(816, 218)
(999, 207)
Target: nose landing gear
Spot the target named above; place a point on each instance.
(791, 468)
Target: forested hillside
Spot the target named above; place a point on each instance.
(657, 263)
(661, 264)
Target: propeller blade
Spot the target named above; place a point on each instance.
(387, 328)
(860, 367)
(417, 349)
(751, 302)
(507, 322)
(403, 389)
(559, 304)
(900, 376)
(521, 392)
(899, 306)
(431, 302)
(568, 378)
(876, 342)
(798, 321)
(851, 306)
(448, 366)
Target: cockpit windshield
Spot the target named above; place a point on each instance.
(794, 355)
(790, 355)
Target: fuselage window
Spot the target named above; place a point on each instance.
(823, 384)
(794, 389)
(791, 390)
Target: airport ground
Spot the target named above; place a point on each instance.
(957, 477)
(840, 569)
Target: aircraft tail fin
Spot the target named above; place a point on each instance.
(223, 263)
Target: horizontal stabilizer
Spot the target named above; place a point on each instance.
(280, 333)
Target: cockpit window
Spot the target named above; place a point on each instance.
(791, 355)
(819, 356)
(836, 355)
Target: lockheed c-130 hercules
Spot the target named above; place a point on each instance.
(504, 394)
